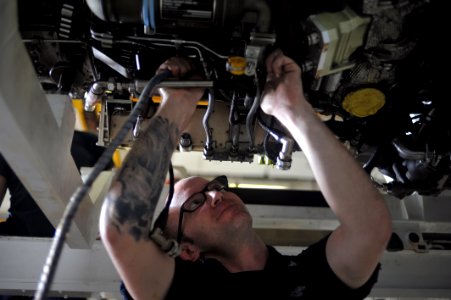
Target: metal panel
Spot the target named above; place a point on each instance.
(90, 273)
(80, 272)
(36, 133)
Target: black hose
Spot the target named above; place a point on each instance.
(162, 218)
(63, 227)
(234, 124)
(276, 134)
(272, 155)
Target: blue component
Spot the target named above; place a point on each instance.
(148, 13)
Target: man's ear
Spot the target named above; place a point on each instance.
(189, 251)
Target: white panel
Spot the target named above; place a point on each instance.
(79, 271)
(36, 133)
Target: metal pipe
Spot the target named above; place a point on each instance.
(208, 149)
(284, 158)
(251, 116)
(186, 84)
(263, 11)
(234, 127)
(53, 41)
(178, 42)
(140, 84)
(94, 95)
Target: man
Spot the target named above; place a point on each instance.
(221, 255)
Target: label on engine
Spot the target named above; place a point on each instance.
(188, 9)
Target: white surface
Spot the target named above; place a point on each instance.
(5, 206)
(36, 133)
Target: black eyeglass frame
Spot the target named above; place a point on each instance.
(210, 186)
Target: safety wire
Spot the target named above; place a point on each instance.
(54, 254)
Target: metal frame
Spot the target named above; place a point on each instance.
(37, 132)
(406, 273)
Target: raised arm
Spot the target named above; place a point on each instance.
(129, 207)
(355, 247)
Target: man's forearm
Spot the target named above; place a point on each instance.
(345, 185)
(138, 184)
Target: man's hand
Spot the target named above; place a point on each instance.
(283, 95)
(180, 103)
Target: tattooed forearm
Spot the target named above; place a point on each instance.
(142, 177)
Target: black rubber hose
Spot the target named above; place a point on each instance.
(63, 227)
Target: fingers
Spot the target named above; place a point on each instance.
(179, 66)
(270, 67)
(278, 64)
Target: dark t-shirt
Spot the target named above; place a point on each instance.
(305, 276)
(25, 217)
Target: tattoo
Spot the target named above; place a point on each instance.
(142, 177)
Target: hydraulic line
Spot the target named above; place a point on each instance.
(284, 157)
(251, 116)
(234, 124)
(94, 95)
(178, 42)
(268, 151)
(277, 135)
(208, 150)
(63, 227)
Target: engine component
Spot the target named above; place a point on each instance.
(107, 50)
(165, 16)
(236, 65)
(364, 102)
(94, 95)
(332, 38)
(186, 142)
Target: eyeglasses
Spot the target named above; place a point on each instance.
(198, 199)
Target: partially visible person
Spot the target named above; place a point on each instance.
(25, 218)
(85, 150)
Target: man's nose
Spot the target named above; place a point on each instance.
(215, 197)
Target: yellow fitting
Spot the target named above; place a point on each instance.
(364, 102)
(236, 65)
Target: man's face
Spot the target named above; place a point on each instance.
(222, 213)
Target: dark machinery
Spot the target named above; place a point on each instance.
(366, 70)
